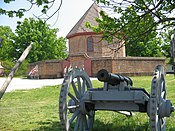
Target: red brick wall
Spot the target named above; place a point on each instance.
(136, 65)
(123, 65)
(102, 63)
(78, 44)
(77, 61)
(48, 68)
(127, 65)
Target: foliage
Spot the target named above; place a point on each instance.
(141, 17)
(6, 45)
(165, 43)
(45, 5)
(20, 12)
(151, 48)
(8, 65)
(136, 21)
(46, 43)
(7, 51)
(22, 71)
(37, 109)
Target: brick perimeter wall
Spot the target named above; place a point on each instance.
(129, 66)
(77, 61)
(102, 63)
(48, 68)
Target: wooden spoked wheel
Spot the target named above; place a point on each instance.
(157, 99)
(74, 112)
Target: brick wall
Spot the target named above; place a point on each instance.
(123, 65)
(113, 50)
(77, 61)
(127, 65)
(48, 68)
(136, 65)
(102, 63)
(78, 44)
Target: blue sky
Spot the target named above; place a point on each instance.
(70, 12)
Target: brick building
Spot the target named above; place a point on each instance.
(85, 46)
(88, 50)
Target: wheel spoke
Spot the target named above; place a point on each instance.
(163, 123)
(85, 123)
(90, 114)
(75, 90)
(79, 85)
(163, 94)
(159, 124)
(83, 86)
(77, 123)
(73, 97)
(90, 119)
(81, 123)
(74, 116)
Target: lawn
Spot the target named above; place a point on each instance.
(37, 110)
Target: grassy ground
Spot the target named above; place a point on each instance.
(37, 110)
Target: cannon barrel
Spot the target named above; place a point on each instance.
(113, 79)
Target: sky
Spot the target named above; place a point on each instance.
(70, 12)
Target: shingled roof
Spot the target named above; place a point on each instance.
(90, 15)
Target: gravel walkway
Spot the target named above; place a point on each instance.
(24, 84)
(20, 84)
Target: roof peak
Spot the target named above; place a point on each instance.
(89, 16)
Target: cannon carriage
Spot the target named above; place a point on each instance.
(79, 100)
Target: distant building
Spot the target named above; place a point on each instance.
(89, 51)
(83, 40)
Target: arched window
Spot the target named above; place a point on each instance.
(90, 44)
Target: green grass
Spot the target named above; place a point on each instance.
(37, 110)
(30, 110)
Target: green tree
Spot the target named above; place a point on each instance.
(139, 18)
(165, 43)
(6, 44)
(45, 6)
(151, 48)
(7, 51)
(46, 43)
(136, 21)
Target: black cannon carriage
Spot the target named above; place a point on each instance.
(79, 100)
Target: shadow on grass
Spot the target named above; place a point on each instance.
(101, 126)
(48, 125)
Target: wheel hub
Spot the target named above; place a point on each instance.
(165, 109)
(72, 106)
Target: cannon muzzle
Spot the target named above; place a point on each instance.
(113, 79)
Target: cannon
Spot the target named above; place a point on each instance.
(79, 100)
